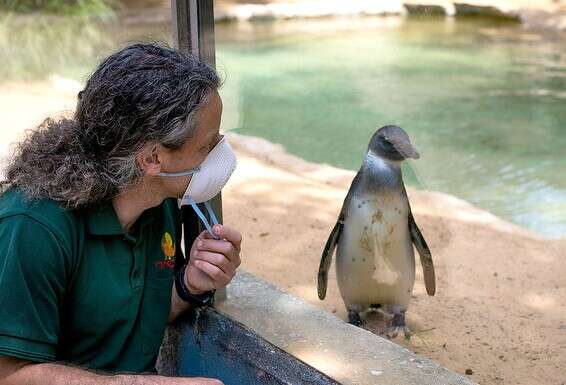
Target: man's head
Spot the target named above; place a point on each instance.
(148, 108)
(145, 109)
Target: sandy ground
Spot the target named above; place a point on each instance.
(500, 308)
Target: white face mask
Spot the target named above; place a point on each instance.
(208, 178)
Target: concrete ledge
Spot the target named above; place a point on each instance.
(308, 9)
(346, 353)
(206, 343)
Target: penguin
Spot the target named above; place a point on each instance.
(374, 237)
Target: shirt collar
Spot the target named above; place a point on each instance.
(104, 221)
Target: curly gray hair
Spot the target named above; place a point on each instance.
(142, 93)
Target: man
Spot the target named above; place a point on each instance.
(90, 225)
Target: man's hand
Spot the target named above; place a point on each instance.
(213, 263)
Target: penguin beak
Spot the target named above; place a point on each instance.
(406, 149)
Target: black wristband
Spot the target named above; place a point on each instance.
(206, 298)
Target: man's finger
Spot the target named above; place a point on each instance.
(222, 247)
(217, 260)
(230, 234)
(204, 235)
(219, 278)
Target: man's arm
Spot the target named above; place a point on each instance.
(19, 372)
(178, 306)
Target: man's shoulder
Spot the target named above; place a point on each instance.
(15, 202)
(63, 223)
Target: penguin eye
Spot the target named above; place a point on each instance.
(387, 144)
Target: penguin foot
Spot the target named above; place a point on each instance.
(398, 324)
(407, 333)
(393, 331)
(354, 318)
(398, 318)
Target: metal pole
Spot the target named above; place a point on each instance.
(193, 32)
(193, 28)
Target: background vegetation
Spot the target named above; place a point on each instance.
(58, 6)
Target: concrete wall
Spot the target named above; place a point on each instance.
(260, 333)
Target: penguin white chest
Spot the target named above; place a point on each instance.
(375, 259)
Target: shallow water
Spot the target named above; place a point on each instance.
(484, 103)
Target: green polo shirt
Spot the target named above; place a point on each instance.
(75, 287)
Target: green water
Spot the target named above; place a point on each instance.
(484, 103)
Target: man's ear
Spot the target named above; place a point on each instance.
(148, 159)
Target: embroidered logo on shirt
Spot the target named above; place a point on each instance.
(168, 248)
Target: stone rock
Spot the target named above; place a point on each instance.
(425, 10)
(472, 10)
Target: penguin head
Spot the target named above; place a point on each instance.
(392, 143)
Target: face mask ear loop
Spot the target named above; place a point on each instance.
(181, 173)
(202, 217)
(211, 213)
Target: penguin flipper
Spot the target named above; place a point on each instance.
(326, 258)
(425, 254)
(332, 241)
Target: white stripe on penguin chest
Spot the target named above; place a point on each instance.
(377, 239)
